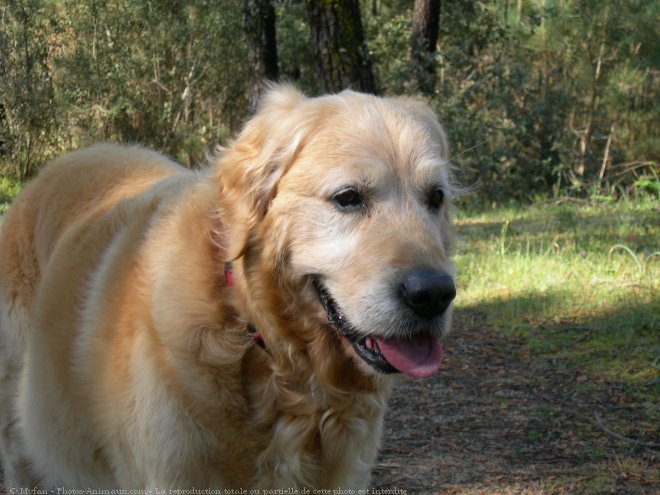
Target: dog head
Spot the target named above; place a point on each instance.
(337, 212)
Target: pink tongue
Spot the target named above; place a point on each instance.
(418, 358)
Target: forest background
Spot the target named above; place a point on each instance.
(541, 98)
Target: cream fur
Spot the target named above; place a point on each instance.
(124, 357)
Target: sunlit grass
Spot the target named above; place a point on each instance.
(9, 189)
(580, 283)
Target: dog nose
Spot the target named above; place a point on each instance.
(428, 292)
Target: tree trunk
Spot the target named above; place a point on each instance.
(3, 128)
(262, 48)
(606, 155)
(339, 45)
(426, 22)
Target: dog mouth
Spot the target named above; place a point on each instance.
(417, 356)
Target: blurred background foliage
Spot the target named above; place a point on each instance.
(541, 98)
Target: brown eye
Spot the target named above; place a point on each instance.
(348, 199)
(436, 198)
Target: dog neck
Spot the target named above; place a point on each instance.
(252, 331)
(342, 377)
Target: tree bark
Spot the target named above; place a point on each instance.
(3, 127)
(426, 22)
(339, 45)
(262, 48)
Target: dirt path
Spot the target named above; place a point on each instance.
(495, 421)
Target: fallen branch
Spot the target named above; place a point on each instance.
(618, 436)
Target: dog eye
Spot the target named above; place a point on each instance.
(435, 198)
(348, 199)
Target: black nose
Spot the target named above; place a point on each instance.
(428, 292)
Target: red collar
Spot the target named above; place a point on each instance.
(255, 336)
(229, 278)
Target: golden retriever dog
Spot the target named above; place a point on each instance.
(238, 327)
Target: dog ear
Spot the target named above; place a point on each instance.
(250, 168)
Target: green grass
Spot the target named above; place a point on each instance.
(9, 188)
(580, 283)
